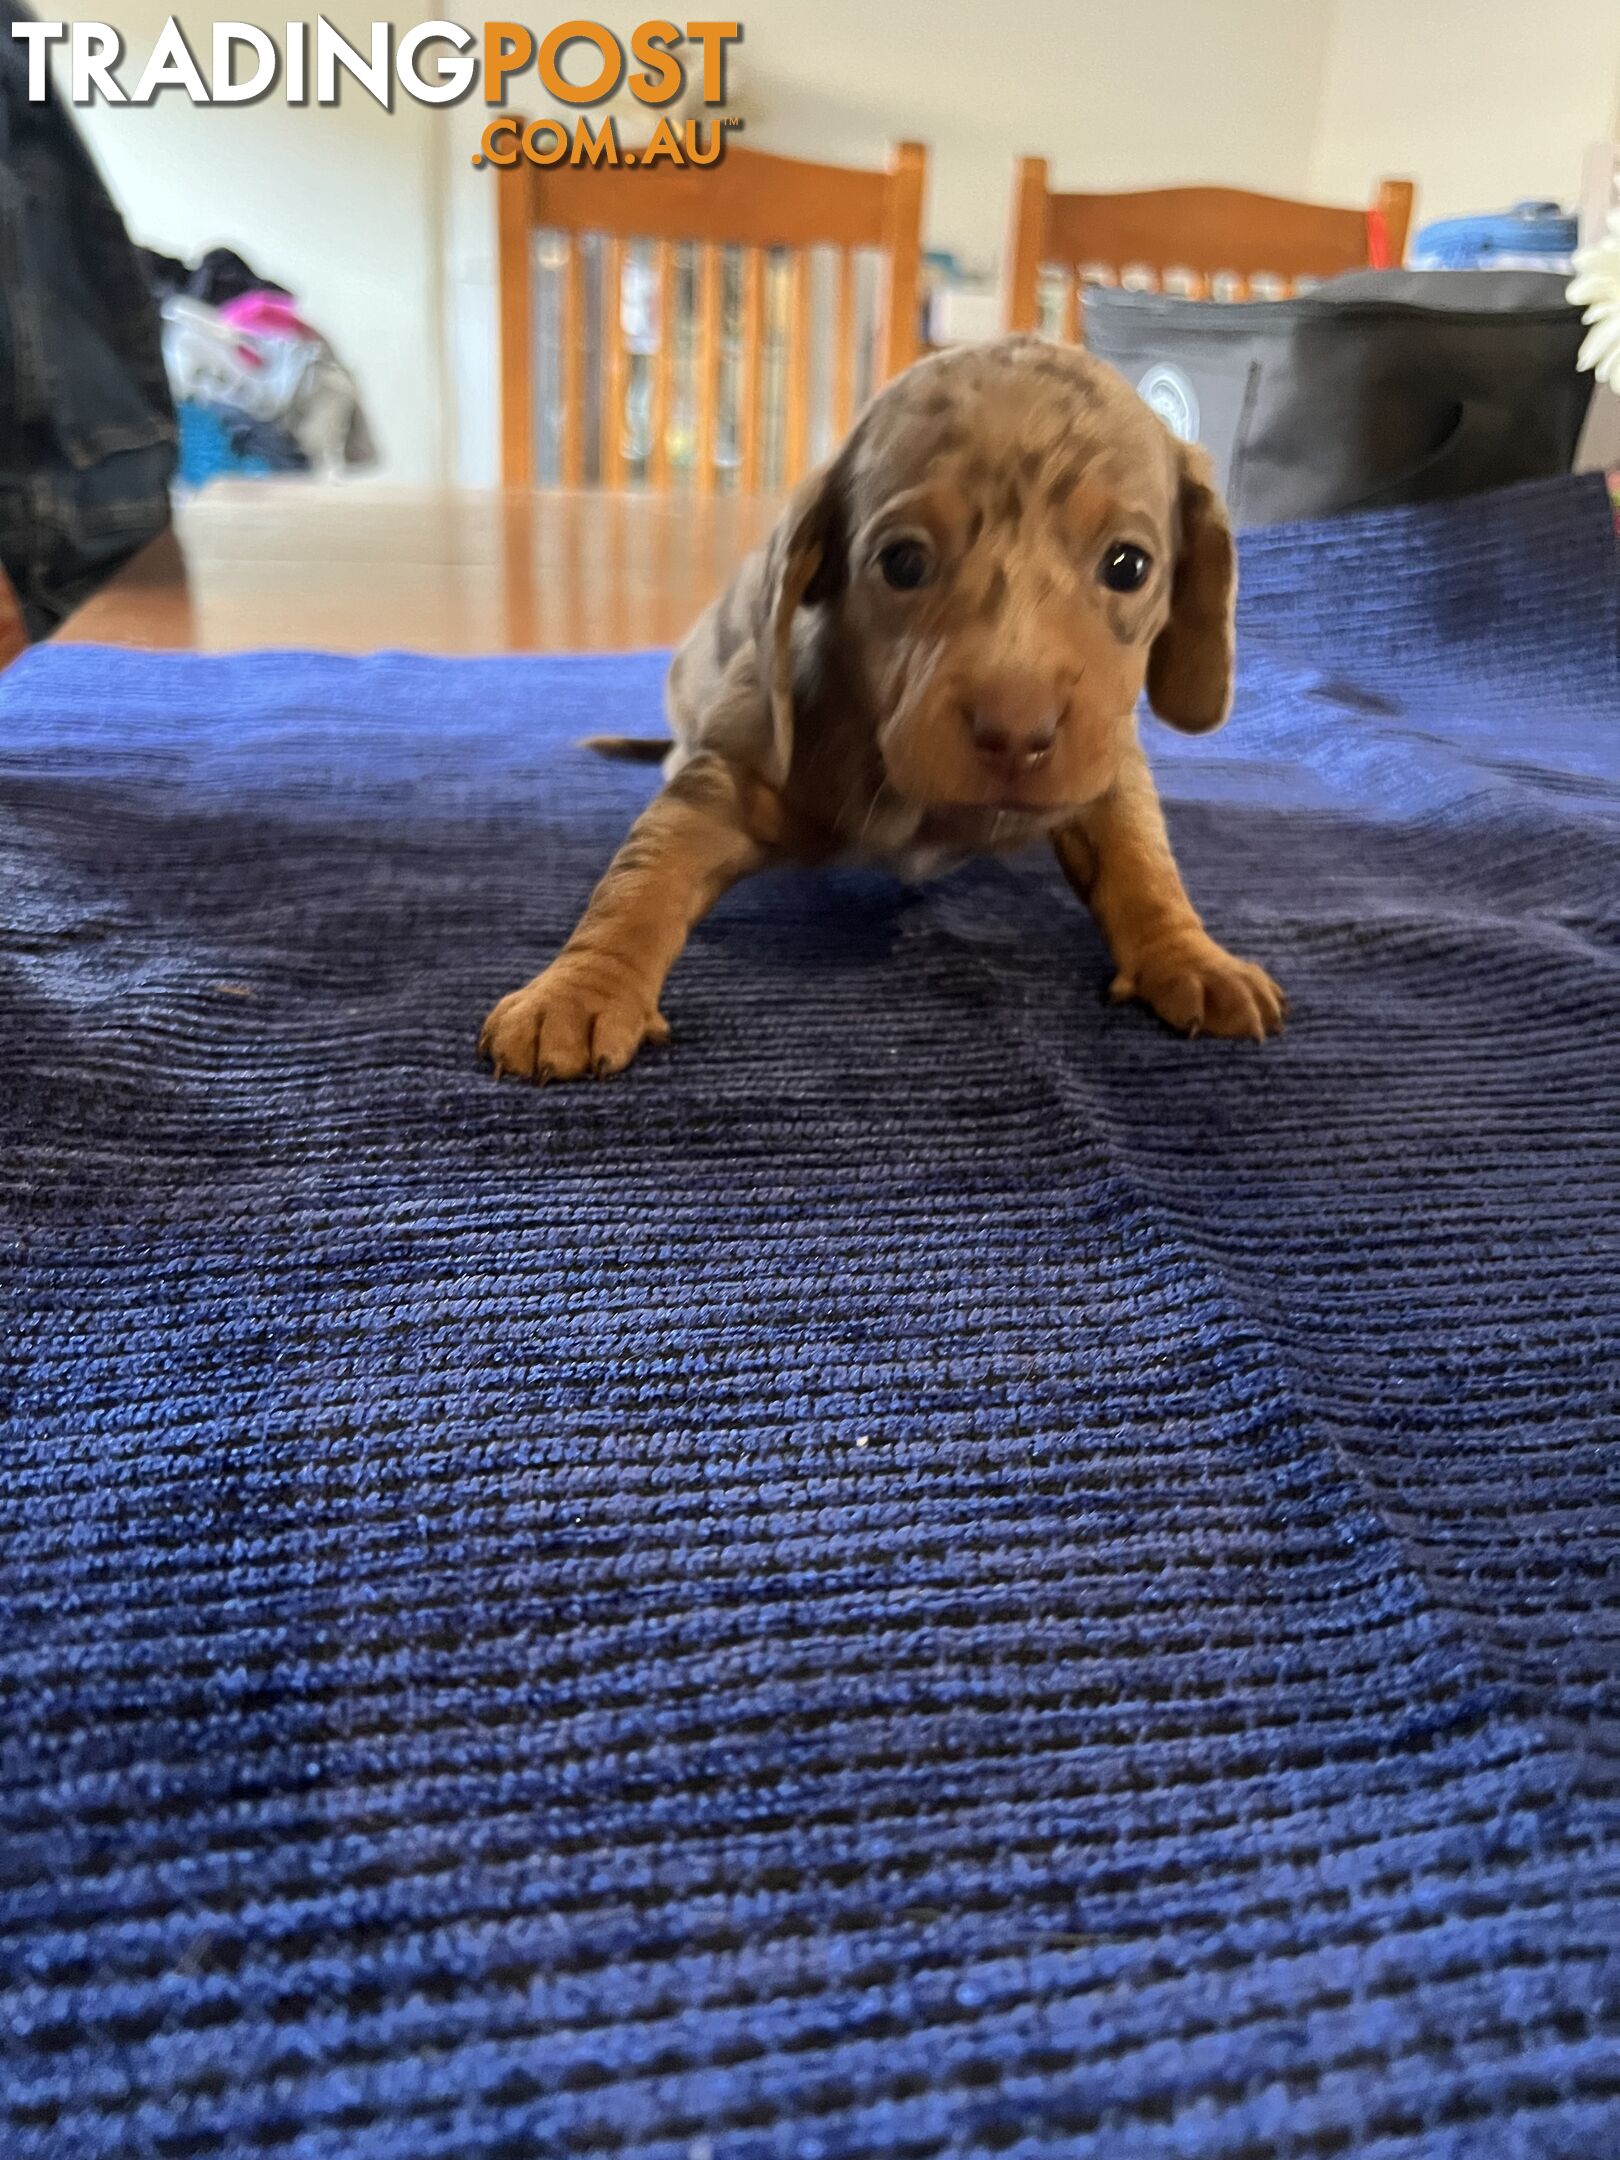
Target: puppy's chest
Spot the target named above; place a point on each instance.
(918, 844)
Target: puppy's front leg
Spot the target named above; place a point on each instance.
(597, 1003)
(1116, 855)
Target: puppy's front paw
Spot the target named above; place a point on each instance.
(580, 1016)
(1200, 988)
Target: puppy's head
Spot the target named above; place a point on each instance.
(1007, 550)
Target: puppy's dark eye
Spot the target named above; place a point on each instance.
(904, 564)
(1124, 568)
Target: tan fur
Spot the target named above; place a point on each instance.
(817, 714)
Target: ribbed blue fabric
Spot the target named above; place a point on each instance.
(937, 1571)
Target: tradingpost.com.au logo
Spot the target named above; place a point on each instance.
(434, 63)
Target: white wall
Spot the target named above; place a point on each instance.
(1116, 95)
(1482, 102)
(340, 203)
(379, 223)
(382, 226)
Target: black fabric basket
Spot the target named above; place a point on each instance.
(87, 426)
(1382, 387)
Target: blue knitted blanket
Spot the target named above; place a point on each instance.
(937, 1571)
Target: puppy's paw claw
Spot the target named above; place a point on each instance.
(571, 1023)
(1196, 986)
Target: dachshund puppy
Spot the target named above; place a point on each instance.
(938, 651)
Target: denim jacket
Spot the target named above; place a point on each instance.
(87, 426)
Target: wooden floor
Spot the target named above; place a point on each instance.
(284, 563)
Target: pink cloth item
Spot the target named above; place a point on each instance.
(268, 314)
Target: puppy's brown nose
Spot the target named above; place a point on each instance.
(1014, 727)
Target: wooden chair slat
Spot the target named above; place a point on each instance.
(571, 335)
(1071, 305)
(844, 346)
(1393, 203)
(664, 361)
(615, 374)
(796, 458)
(515, 256)
(1021, 257)
(751, 370)
(902, 239)
(711, 295)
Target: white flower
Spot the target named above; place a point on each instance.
(1596, 285)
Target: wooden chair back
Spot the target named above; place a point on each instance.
(734, 241)
(1209, 242)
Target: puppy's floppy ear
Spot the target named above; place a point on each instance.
(806, 564)
(1189, 676)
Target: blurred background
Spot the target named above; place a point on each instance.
(383, 233)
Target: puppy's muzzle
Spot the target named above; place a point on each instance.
(1014, 723)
